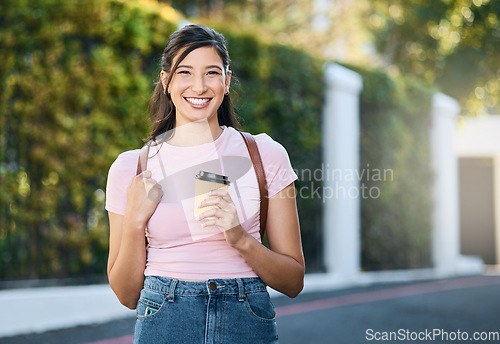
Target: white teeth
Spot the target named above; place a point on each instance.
(198, 101)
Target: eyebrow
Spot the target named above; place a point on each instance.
(207, 67)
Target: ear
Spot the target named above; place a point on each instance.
(164, 78)
(228, 80)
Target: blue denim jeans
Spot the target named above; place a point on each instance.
(216, 311)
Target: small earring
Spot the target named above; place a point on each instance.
(227, 93)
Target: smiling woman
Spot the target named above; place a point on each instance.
(203, 77)
(198, 86)
(205, 266)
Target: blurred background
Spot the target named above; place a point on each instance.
(76, 77)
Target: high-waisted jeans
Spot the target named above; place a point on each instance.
(216, 311)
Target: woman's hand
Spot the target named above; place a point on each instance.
(286, 273)
(223, 215)
(143, 196)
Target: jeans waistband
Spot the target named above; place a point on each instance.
(172, 286)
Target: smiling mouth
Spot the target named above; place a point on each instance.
(198, 101)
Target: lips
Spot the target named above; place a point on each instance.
(198, 101)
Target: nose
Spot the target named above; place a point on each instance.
(198, 85)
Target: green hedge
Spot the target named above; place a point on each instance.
(394, 140)
(280, 92)
(75, 81)
(76, 78)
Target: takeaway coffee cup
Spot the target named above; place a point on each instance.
(205, 182)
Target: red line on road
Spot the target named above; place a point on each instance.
(385, 294)
(370, 296)
(120, 340)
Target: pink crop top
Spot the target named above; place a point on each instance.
(178, 246)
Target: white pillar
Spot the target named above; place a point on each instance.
(445, 218)
(496, 204)
(341, 225)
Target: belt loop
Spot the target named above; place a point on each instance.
(173, 284)
(241, 290)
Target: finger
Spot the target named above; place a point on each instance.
(215, 222)
(210, 214)
(150, 181)
(206, 214)
(155, 194)
(145, 174)
(221, 193)
(210, 201)
(157, 186)
(153, 189)
(224, 194)
(209, 222)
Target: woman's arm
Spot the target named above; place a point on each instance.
(127, 259)
(127, 251)
(282, 265)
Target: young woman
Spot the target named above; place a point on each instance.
(201, 279)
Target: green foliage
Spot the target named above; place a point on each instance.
(394, 139)
(75, 80)
(75, 83)
(280, 92)
(454, 44)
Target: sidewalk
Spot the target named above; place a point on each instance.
(55, 308)
(33, 310)
(350, 315)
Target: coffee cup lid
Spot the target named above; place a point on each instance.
(212, 177)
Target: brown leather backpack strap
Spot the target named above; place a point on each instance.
(142, 162)
(253, 150)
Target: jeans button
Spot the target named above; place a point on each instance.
(212, 286)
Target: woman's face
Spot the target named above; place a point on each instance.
(198, 86)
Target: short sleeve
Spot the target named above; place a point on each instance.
(277, 166)
(120, 174)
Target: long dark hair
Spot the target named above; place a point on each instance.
(191, 37)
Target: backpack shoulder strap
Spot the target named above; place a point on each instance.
(142, 162)
(253, 150)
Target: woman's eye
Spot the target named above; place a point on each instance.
(185, 72)
(213, 72)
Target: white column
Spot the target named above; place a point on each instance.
(496, 204)
(341, 225)
(445, 218)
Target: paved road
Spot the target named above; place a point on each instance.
(444, 311)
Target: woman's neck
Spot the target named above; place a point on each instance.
(195, 133)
